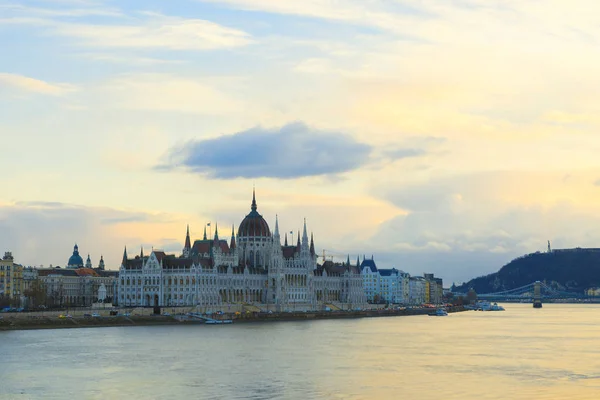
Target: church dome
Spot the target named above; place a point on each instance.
(254, 225)
(75, 261)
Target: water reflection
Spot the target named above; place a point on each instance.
(518, 354)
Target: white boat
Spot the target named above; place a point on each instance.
(440, 312)
(487, 306)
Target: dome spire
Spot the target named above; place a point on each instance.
(253, 199)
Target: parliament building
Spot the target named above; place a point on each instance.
(252, 268)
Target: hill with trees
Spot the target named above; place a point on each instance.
(565, 269)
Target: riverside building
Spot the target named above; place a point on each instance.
(11, 278)
(79, 284)
(398, 287)
(253, 268)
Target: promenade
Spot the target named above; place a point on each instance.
(54, 320)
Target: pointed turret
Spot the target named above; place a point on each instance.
(141, 252)
(276, 233)
(286, 242)
(88, 262)
(204, 238)
(304, 235)
(232, 244)
(298, 246)
(348, 260)
(312, 245)
(187, 244)
(358, 262)
(101, 263)
(216, 232)
(187, 247)
(124, 261)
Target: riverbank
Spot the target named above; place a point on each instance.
(24, 321)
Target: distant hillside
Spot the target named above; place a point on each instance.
(565, 269)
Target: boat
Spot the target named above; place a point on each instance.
(218, 321)
(496, 307)
(537, 304)
(440, 312)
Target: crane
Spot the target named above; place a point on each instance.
(328, 255)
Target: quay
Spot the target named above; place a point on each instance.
(22, 321)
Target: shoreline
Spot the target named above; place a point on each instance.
(24, 322)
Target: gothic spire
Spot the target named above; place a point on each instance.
(232, 245)
(276, 233)
(298, 244)
(142, 251)
(286, 243)
(216, 232)
(124, 256)
(304, 235)
(312, 244)
(358, 261)
(187, 238)
(348, 260)
(204, 238)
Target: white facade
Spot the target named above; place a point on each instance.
(416, 290)
(253, 268)
(384, 285)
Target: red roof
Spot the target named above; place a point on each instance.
(86, 272)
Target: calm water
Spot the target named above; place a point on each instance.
(552, 353)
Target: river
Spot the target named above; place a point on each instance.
(522, 353)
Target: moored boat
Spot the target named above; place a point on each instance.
(440, 312)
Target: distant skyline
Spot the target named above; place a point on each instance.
(445, 137)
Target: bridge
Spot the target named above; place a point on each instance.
(528, 293)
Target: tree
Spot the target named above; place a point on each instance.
(35, 294)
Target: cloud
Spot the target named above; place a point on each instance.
(145, 31)
(472, 224)
(292, 151)
(397, 154)
(380, 14)
(166, 92)
(26, 84)
(65, 12)
(29, 230)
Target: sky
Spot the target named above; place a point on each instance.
(445, 137)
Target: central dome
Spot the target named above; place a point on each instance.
(254, 225)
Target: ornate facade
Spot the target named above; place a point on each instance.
(253, 268)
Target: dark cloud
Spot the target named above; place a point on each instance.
(292, 151)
